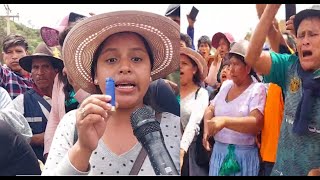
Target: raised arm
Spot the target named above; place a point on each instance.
(211, 79)
(261, 61)
(274, 35)
(190, 30)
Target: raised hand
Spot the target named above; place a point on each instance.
(290, 26)
(92, 117)
(190, 21)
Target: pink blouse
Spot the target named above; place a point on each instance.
(58, 111)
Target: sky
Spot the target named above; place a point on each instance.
(236, 19)
(38, 15)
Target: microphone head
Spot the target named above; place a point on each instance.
(143, 122)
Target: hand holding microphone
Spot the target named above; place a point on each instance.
(91, 120)
(148, 132)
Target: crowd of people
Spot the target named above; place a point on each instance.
(237, 108)
(257, 110)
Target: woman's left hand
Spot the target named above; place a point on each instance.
(215, 125)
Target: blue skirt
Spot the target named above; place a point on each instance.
(247, 157)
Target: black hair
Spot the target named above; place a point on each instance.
(196, 77)
(14, 40)
(187, 39)
(99, 49)
(252, 72)
(204, 39)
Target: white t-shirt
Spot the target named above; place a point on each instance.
(5, 98)
(254, 97)
(103, 161)
(192, 111)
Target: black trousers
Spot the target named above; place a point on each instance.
(16, 155)
(265, 168)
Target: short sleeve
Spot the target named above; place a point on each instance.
(224, 86)
(258, 98)
(279, 68)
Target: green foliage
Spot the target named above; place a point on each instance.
(32, 35)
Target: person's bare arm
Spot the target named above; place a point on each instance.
(190, 22)
(37, 139)
(290, 26)
(208, 114)
(211, 79)
(274, 35)
(261, 61)
(251, 124)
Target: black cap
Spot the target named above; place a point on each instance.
(314, 11)
(173, 10)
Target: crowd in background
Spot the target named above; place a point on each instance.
(224, 107)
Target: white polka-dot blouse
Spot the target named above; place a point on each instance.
(103, 161)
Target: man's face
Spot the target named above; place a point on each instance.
(43, 73)
(308, 43)
(12, 57)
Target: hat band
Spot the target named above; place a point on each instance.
(166, 41)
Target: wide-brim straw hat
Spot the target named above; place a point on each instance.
(161, 33)
(42, 50)
(198, 59)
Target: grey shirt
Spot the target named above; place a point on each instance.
(103, 161)
(17, 121)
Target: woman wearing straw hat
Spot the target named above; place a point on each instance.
(194, 100)
(234, 118)
(131, 47)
